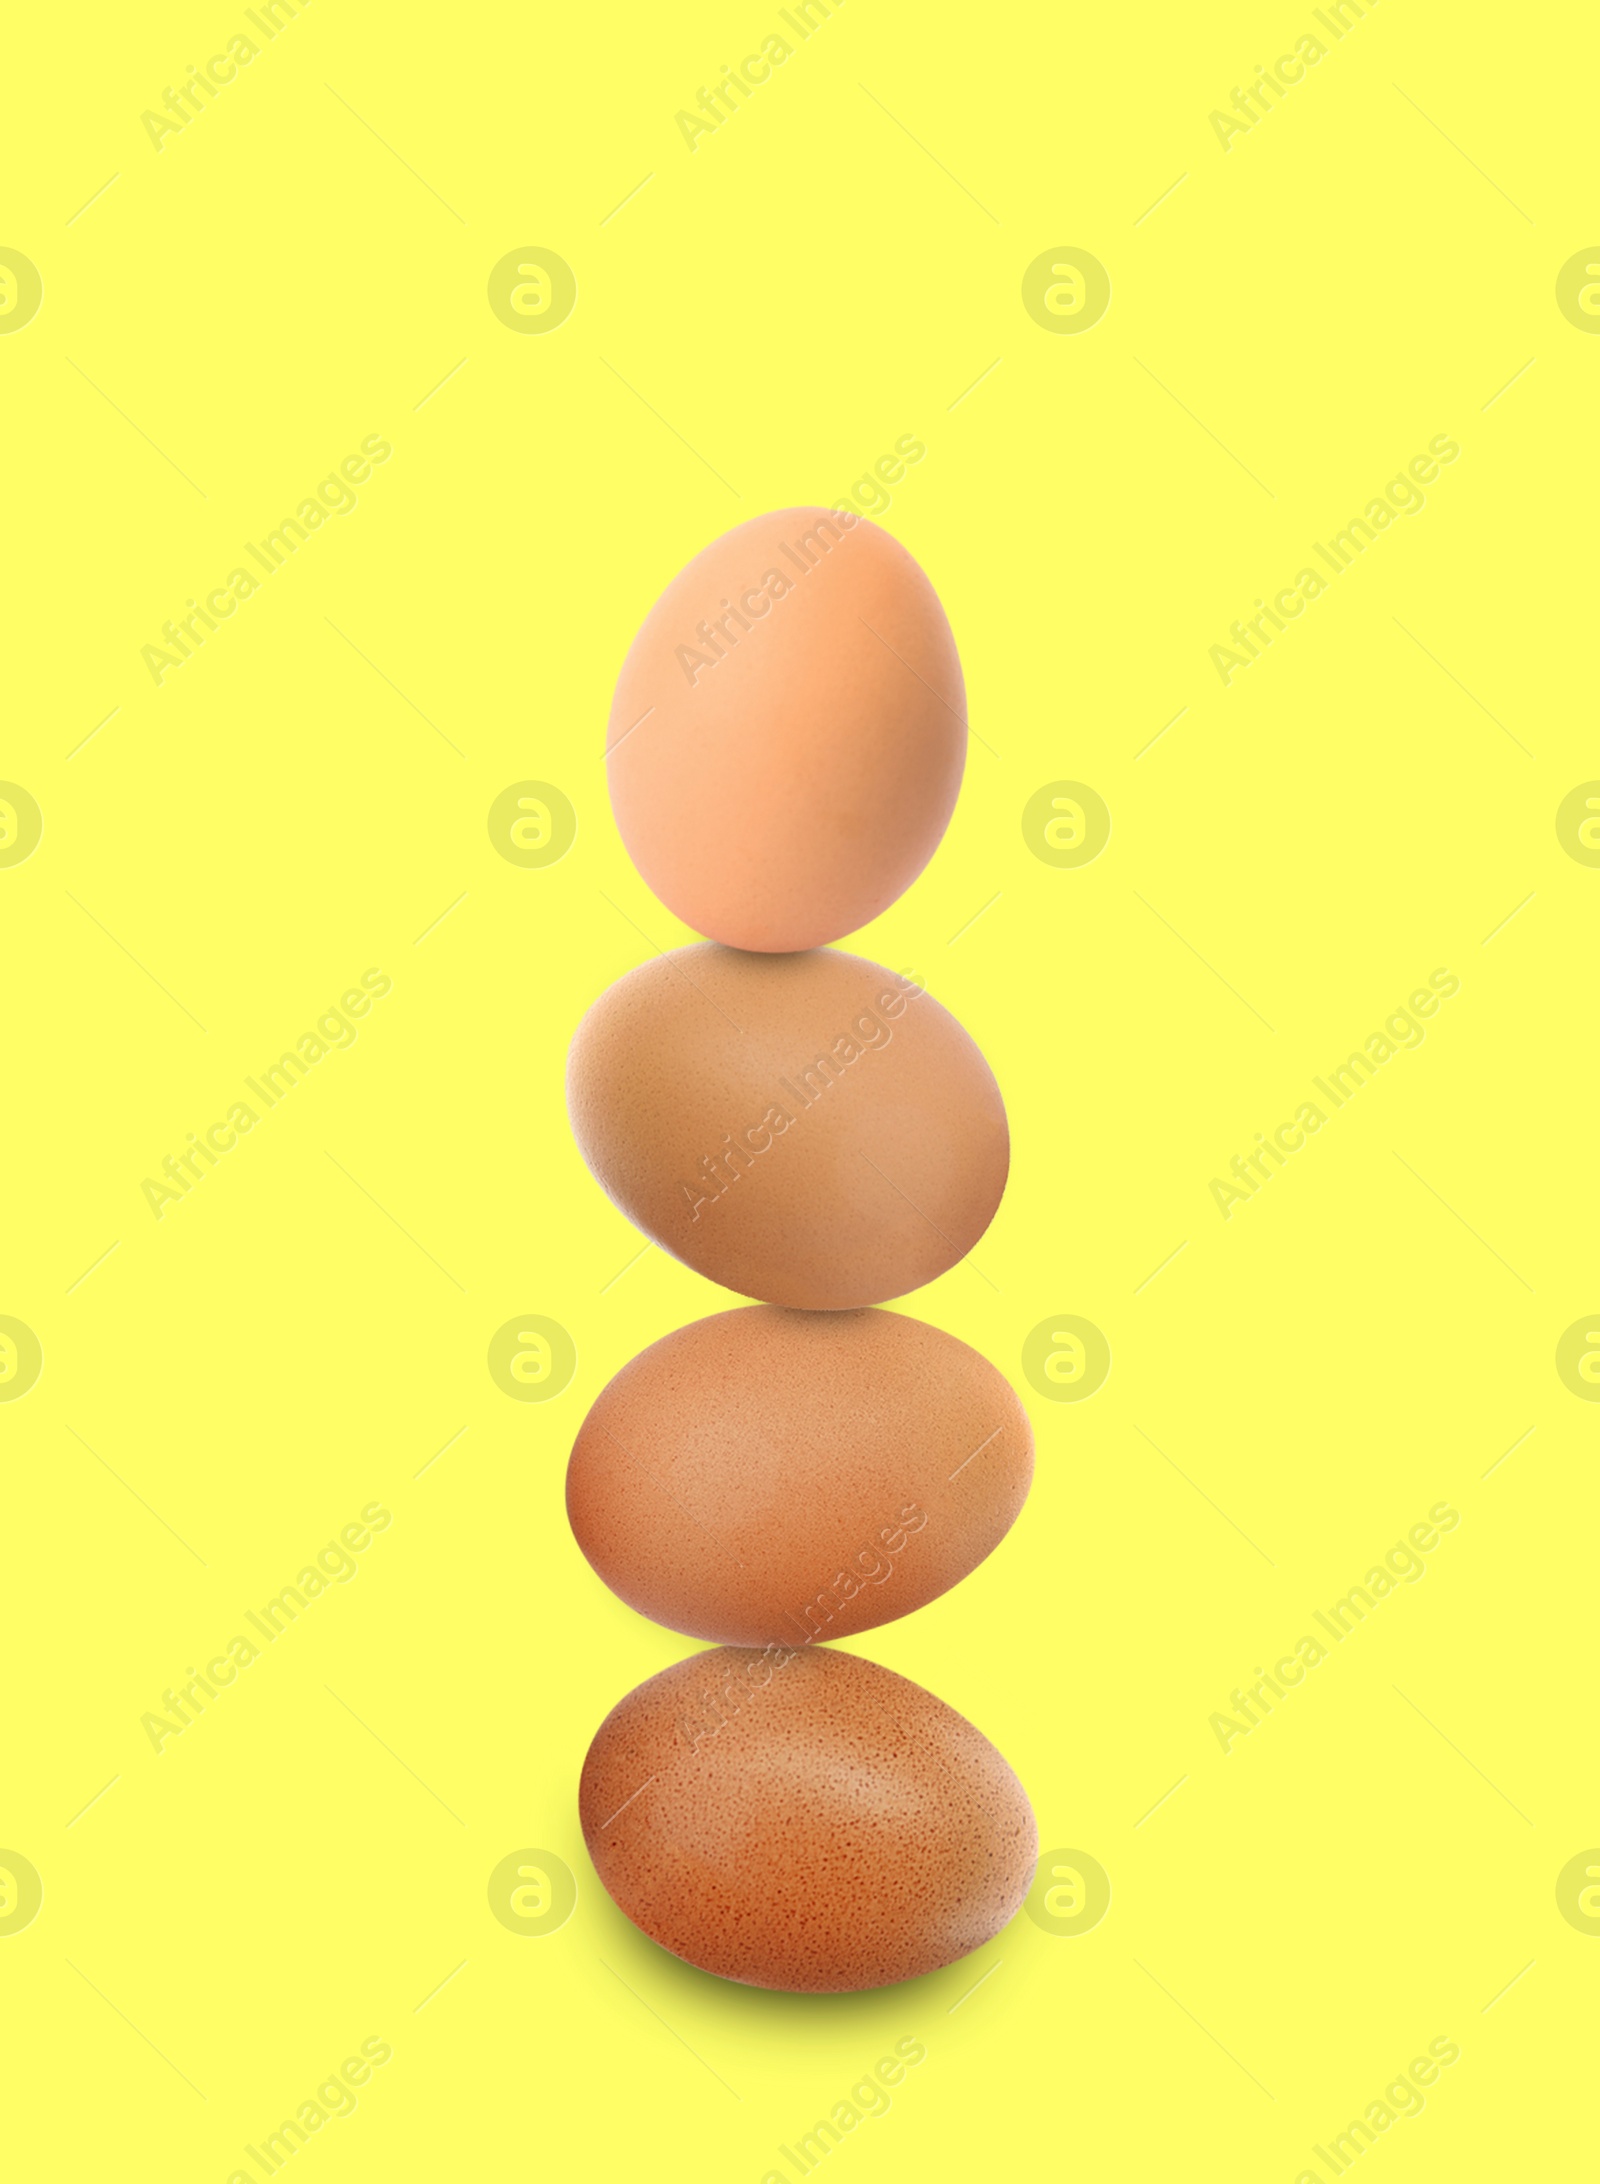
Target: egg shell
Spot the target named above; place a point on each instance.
(778, 785)
(808, 1129)
(770, 1474)
(804, 1819)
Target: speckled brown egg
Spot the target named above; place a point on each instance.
(788, 731)
(803, 1819)
(770, 1474)
(808, 1129)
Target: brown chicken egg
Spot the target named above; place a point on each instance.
(808, 1129)
(803, 1819)
(769, 1474)
(788, 731)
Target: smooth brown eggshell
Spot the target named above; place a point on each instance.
(769, 1474)
(804, 1820)
(781, 792)
(809, 1129)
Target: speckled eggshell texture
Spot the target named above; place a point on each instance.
(770, 1474)
(788, 732)
(804, 1820)
(810, 1129)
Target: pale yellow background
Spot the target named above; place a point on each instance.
(1295, 320)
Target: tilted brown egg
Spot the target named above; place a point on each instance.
(788, 732)
(769, 1474)
(804, 1819)
(807, 1129)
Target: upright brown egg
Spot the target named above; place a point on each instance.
(788, 731)
(768, 1474)
(807, 1129)
(804, 1820)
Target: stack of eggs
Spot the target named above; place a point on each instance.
(814, 1131)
